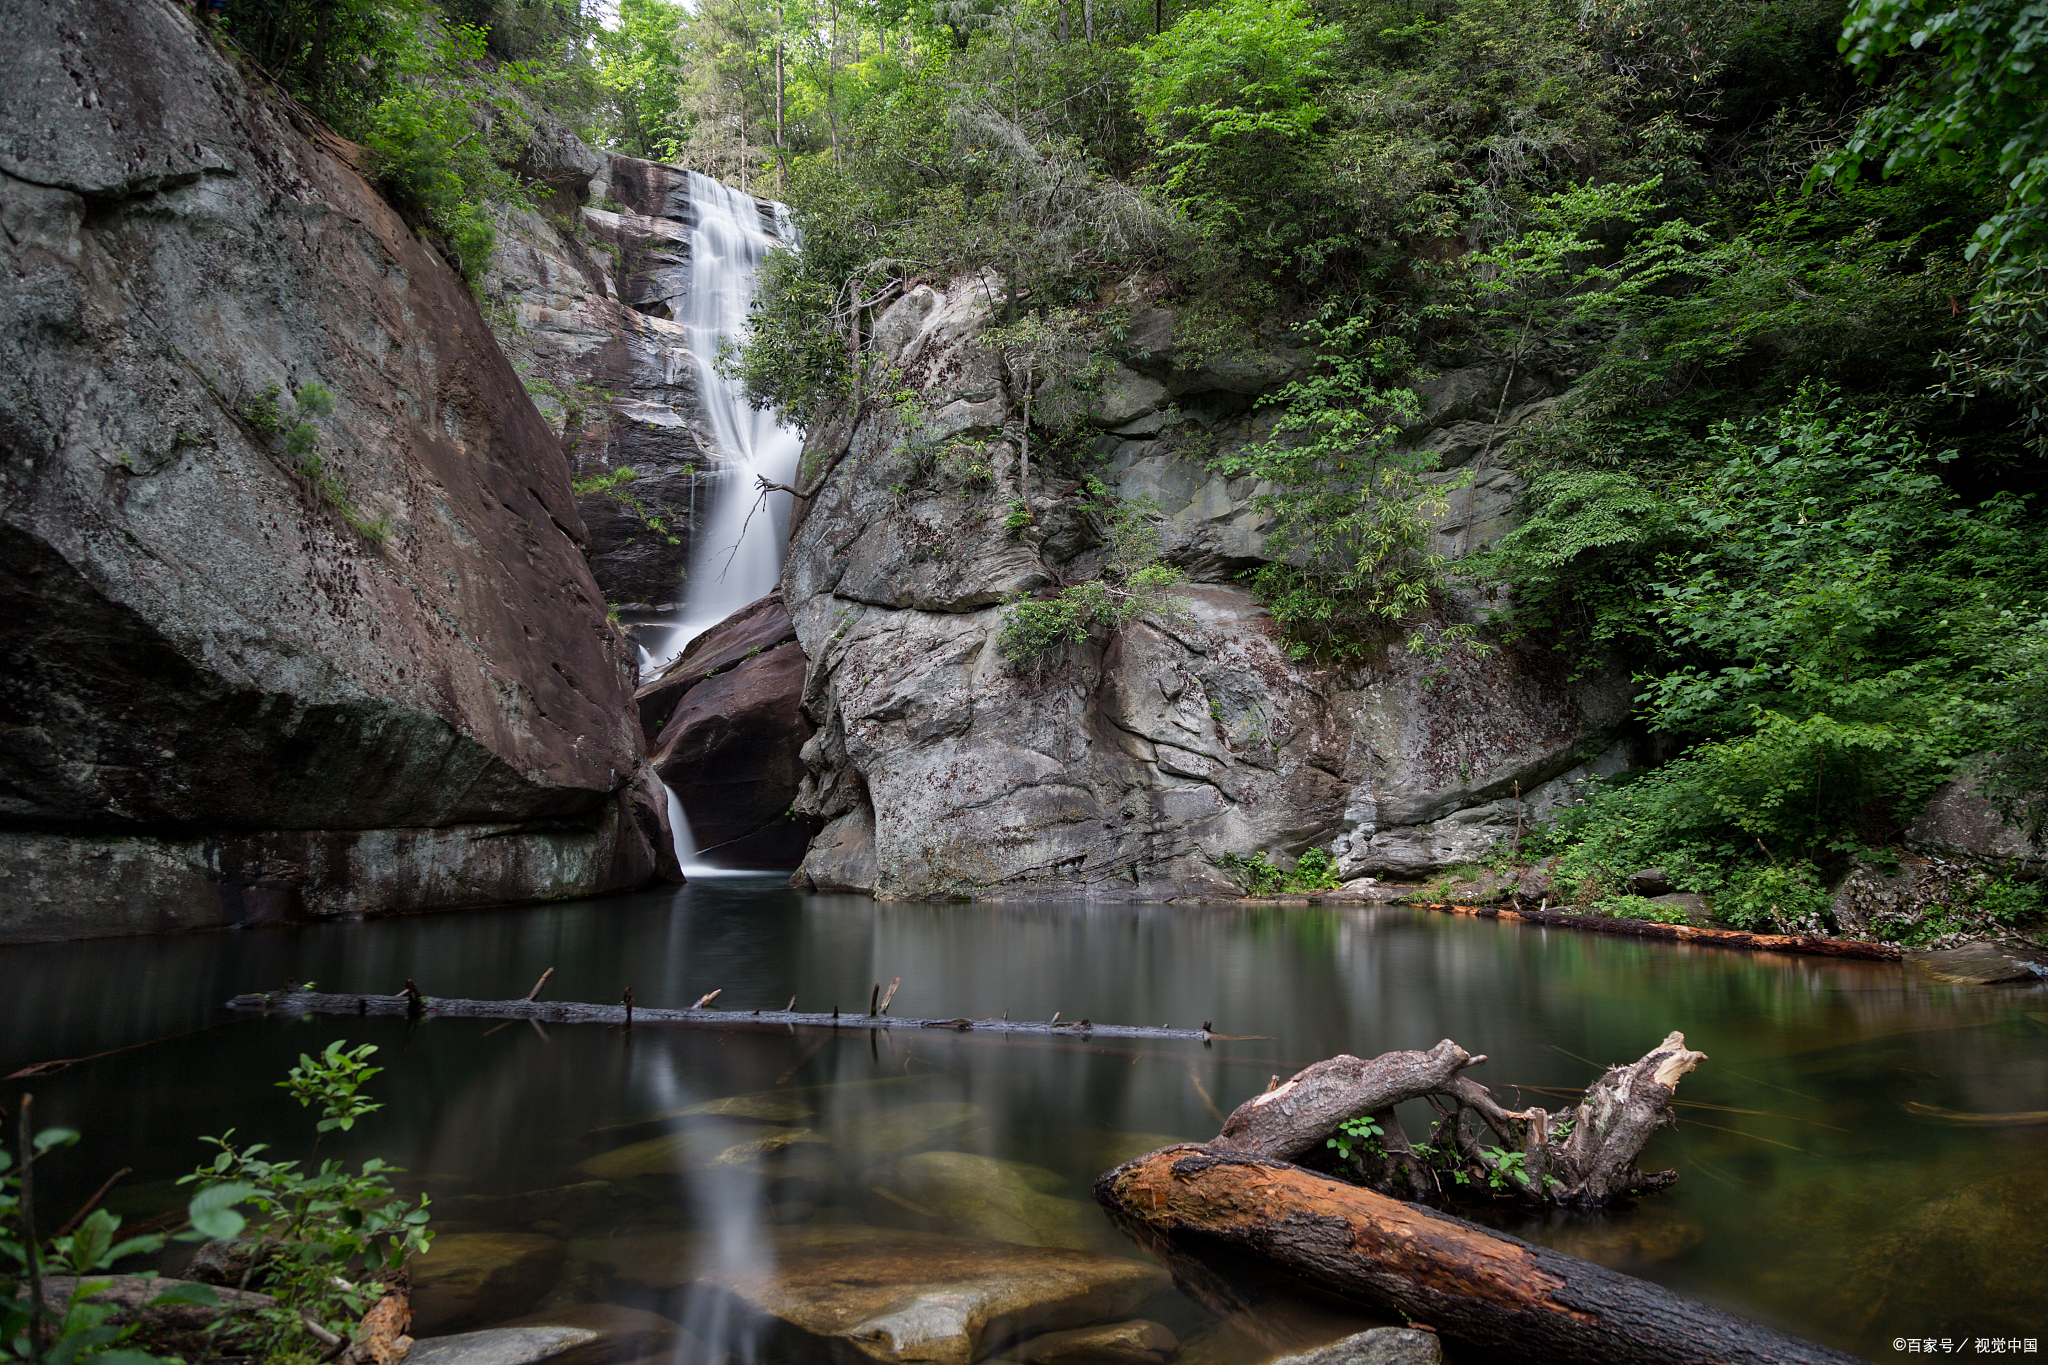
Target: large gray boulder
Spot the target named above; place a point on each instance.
(1960, 821)
(241, 686)
(1131, 766)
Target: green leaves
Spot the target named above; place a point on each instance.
(333, 1081)
(1349, 557)
(212, 1210)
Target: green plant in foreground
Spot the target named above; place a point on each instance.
(29, 1331)
(324, 1237)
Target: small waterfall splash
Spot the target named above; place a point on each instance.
(736, 557)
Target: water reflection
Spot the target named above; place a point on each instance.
(618, 1167)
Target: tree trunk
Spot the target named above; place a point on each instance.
(1515, 1300)
(832, 81)
(1088, 22)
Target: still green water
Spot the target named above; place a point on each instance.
(1812, 1197)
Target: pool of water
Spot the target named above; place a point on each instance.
(1834, 1183)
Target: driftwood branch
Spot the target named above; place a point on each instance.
(1583, 1157)
(567, 1012)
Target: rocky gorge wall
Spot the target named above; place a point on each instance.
(1128, 768)
(242, 685)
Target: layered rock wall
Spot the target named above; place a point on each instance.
(1129, 767)
(293, 603)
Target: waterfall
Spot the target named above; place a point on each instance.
(736, 553)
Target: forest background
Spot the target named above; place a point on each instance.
(1785, 260)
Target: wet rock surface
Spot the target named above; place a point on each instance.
(583, 1334)
(1137, 1342)
(1005, 1201)
(585, 296)
(1375, 1346)
(1127, 768)
(726, 731)
(893, 1295)
(1979, 964)
(469, 1279)
(227, 682)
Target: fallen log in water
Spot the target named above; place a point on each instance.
(1238, 1191)
(568, 1012)
(1686, 933)
(1473, 1285)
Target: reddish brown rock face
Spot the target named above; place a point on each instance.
(204, 649)
(726, 730)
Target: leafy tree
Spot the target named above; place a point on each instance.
(1350, 538)
(1969, 95)
(1227, 94)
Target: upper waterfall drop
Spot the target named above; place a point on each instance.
(734, 559)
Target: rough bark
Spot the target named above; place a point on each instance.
(1514, 1300)
(1291, 1120)
(1583, 1157)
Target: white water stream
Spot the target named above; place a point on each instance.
(736, 554)
(734, 560)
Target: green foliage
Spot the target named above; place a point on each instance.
(80, 1331)
(333, 1081)
(326, 1237)
(441, 120)
(1361, 1134)
(1967, 96)
(1643, 908)
(1350, 537)
(1259, 875)
(1829, 622)
(1037, 631)
(1226, 94)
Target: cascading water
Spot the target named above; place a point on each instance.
(735, 559)
(736, 555)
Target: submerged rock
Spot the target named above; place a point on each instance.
(468, 1279)
(567, 1205)
(981, 1196)
(1136, 1342)
(1977, 964)
(700, 1148)
(899, 1296)
(586, 1334)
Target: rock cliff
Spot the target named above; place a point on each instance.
(1131, 766)
(296, 617)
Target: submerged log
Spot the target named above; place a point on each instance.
(1807, 944)
(1516, 1300)
(570, 1012)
